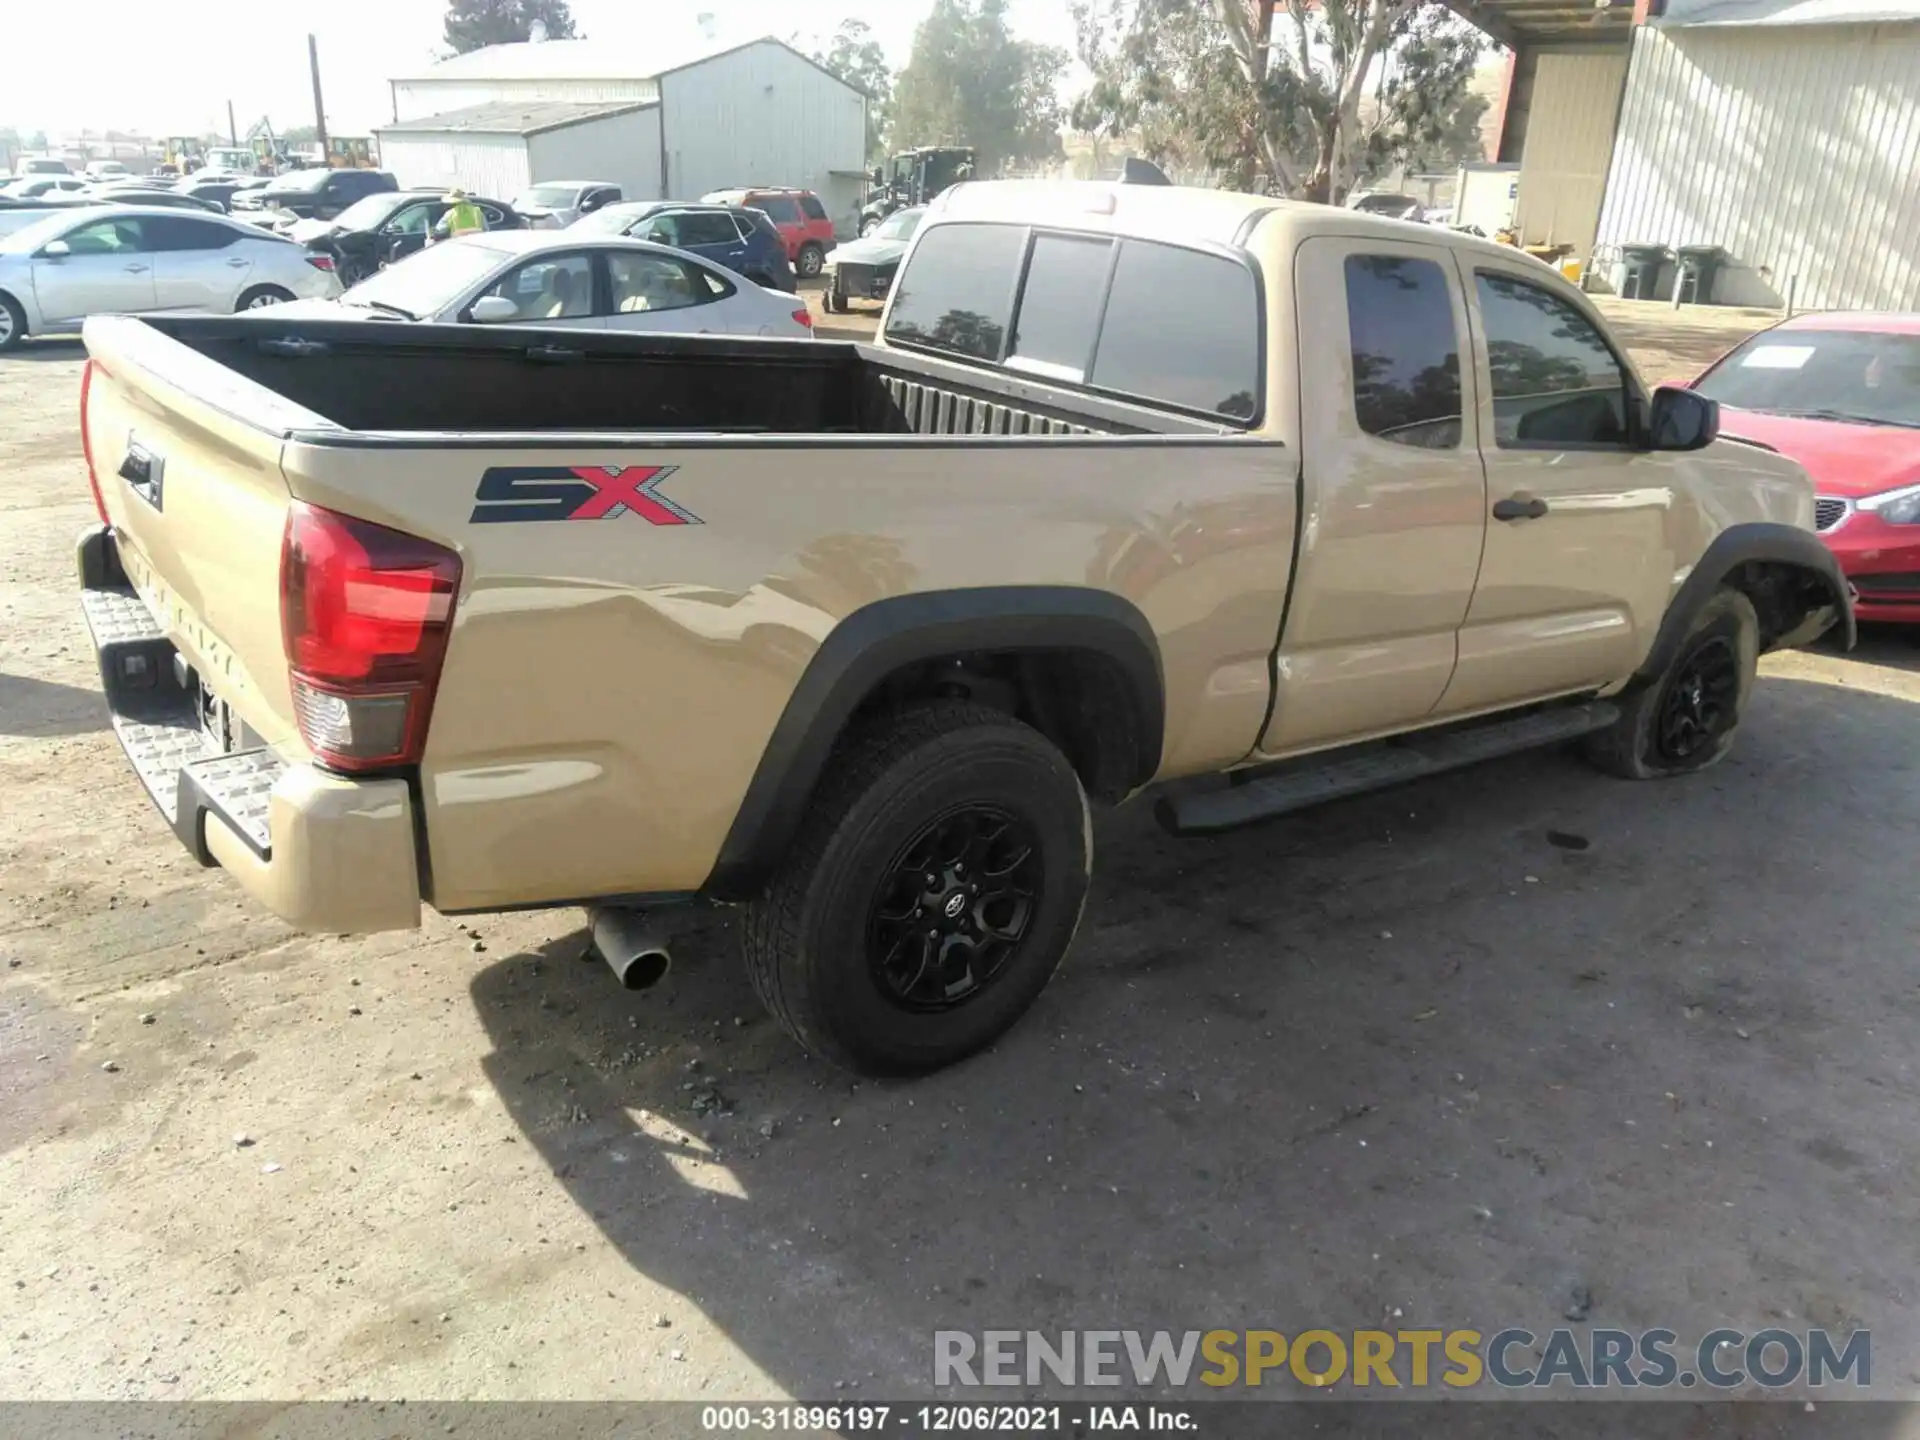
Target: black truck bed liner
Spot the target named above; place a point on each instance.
(374, 376)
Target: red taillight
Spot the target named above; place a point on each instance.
(86, 444)
(365, 612)
(805, 317)
(321, 262)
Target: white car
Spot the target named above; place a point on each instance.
(556, 204)
(586, 282)
(101, 170)
(130, 259)
(43, 187)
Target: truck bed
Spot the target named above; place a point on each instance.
(379, 377)
(610, 689)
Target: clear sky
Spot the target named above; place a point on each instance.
(168, 67)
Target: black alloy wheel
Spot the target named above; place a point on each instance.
(1700, 704)
(953, 907)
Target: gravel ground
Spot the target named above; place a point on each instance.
(1444, 1056)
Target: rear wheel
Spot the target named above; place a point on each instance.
(262, 297)
(1685, 719)
(810, 260)
(13, 323)
(934, 886)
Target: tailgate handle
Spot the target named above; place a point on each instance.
(554, 354)
(144, 470)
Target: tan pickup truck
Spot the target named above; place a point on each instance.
(1144, 487)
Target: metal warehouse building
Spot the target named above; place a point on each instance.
(1784, 132)
(659, 125)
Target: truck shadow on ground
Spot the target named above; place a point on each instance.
(38, 708)
(1449, 1056)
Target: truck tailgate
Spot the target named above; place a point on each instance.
(198, 507)
(181, 590)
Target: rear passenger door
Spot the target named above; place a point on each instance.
(711, 235)
(660, 294)
(1395, 497)
(197, 264)
(1578, 562)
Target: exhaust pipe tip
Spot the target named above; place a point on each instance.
(633, 946)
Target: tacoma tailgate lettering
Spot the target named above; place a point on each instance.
(517, 493)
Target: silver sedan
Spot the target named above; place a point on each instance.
(576, 281)
(129, 259)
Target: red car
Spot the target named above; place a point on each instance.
(799, 217)
(1840, 393)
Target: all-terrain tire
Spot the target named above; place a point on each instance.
(809, 940)
(810, 261)
(1685, 719)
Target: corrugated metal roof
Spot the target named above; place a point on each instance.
(583, 59)
(596, 59)
(1785, 12)
(515, 117)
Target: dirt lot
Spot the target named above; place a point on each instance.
(1437, 1057)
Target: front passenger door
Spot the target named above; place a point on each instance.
(108, 269)
(553, 290)
(1579, 562)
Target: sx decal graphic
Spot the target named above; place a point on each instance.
(513, 494)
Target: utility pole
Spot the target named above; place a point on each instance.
(319, 105)
(233, 130)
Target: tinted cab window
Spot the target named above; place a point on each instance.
(1182, 328)
(957, 295)
(1406, 352)
(1555, 380)
(1143, 320)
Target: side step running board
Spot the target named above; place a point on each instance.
(1315, 781)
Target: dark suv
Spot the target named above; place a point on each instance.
(797, 214)
(745, 241)
(319, 194)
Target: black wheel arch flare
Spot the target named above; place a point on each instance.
(882, 638)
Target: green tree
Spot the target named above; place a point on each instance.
(970, 81)
(856, 57)
(1267, 93)
(474, 23)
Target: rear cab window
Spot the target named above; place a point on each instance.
(1137, 319)
(1406, 351)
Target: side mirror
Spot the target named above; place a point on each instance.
(878, 177)
(494, 310)
(56, 250)
(1682, 419)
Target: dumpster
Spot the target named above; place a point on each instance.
(1637, 275)
(1698, 265)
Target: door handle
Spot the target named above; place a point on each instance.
(1519, 507)
(238, 264)
(136, 269)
